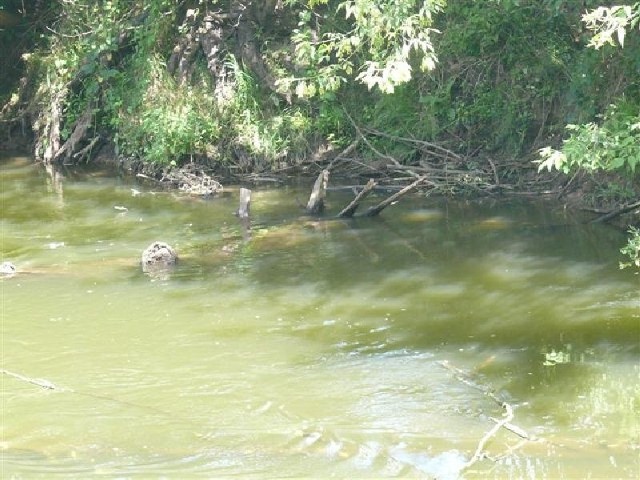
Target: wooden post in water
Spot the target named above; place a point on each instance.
(245, 203)
(316, 200)
(243, 213)
(350, 209)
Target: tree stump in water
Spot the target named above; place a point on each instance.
(245, 203)
(157, 257)
(316, 200)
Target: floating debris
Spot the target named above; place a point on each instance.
(8, 269)
(158, 256)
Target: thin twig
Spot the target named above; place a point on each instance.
(479, 453)
(504, 422)
(343, 154)
(434, 146)
(34, 381)
(368, 143)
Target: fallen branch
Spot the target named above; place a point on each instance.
(516, 430)
(504, 422)
(46, 384)
(479, 453)
(442, 152)
(617, 212)
(85, 152)
(350, 209)
(343, 154)
(373, 211)
(34, 381)
(368, 143)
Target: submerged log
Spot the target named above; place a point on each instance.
(316, 200)
(373, 211)
(349, 210)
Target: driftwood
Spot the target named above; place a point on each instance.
(316, 200)
(245, 203)
(350, 209)
(373, 211)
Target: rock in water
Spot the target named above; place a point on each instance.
(158, 256)
(7, 268)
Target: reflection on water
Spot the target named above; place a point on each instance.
(310, 347)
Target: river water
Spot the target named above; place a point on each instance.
(310, 347)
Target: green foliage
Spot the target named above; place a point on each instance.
(632, 249)
(378, 41)
(155, 119)
(612, 142)
(260, 128)
(607, 22)
(611, 145)
(509, 72)
(503, 67)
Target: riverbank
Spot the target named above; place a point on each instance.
(447, 175)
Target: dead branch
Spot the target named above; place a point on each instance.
(368, 143)
(51, 386)
(86, 151)
(343, 154)
(435, 149)
(373, 211)
(516, 430)
(504, 422)
(617, 212)
(479, 453)
(350, 209)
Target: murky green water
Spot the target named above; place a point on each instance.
(309, 348)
